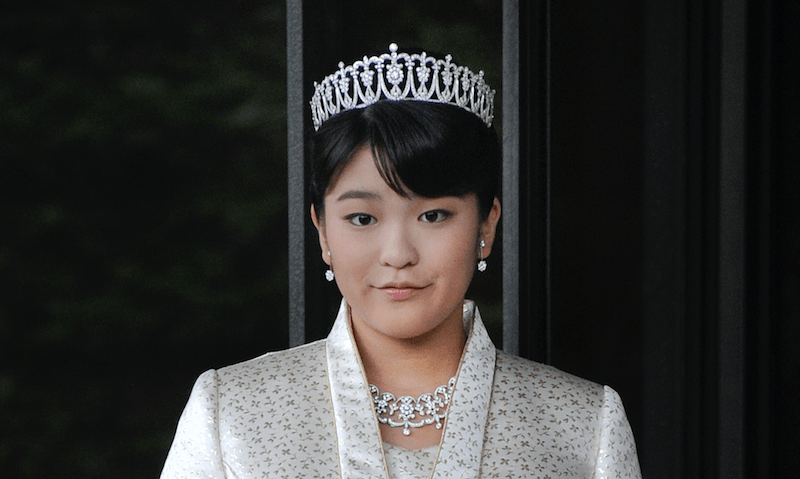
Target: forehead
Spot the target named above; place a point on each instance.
(360, 173)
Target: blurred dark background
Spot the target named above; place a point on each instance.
(143, 211)
(142, 222)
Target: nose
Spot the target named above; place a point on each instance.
(398, 249)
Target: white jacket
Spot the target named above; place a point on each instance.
(307, 412)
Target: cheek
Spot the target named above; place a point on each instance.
(458, 258)
(350, 256)
(341, 250)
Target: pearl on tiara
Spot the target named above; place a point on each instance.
(401, 76)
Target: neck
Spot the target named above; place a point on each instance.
(412, 366)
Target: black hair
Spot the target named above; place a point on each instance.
(422, 148)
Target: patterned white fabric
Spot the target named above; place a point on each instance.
(306, 412)
(406, 464)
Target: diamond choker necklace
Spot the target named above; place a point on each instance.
(431, 408)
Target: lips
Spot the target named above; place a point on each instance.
(399, 292)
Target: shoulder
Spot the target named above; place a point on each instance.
(543, 382)
(287, 366)
(553, 417)
(285, 358)
(280, 399)
(547, 396)
(273, 390)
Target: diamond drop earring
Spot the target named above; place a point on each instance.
(329, 272)
(482, 262)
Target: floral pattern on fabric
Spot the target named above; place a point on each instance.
(616, 454)
(306, 412)
(408, 464)
(267, 417)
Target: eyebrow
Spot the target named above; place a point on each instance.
(358, 195)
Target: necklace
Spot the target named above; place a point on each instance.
(432, 408)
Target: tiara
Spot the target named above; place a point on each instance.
(401, 76)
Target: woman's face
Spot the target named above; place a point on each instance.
(402, 264)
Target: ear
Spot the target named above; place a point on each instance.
(323, 240)
(489, 228)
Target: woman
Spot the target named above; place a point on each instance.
(408, 383)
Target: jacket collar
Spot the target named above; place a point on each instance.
(358, 437)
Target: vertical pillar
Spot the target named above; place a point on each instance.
(308, 293)
(526, 179)
(510, 200)
(295, 80)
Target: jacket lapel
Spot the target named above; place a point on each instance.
(462, 444)
(357, 433)
(358, 436)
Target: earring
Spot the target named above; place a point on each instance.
(329, 272)
(482, 262)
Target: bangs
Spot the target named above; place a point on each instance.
(432, 150)
(420, 148)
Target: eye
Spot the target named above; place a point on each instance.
(434, 216)
(361, 219)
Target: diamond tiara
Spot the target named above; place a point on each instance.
(401, 76)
